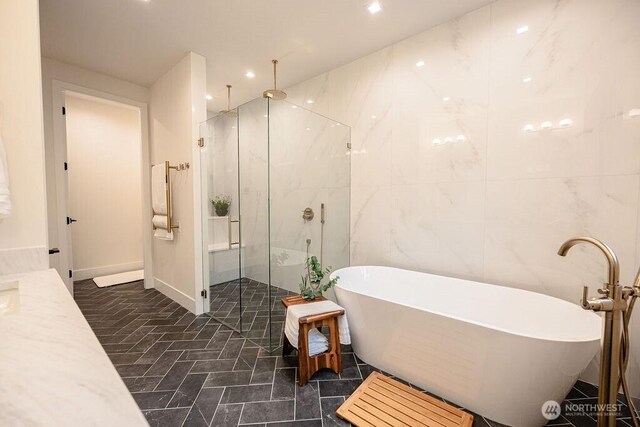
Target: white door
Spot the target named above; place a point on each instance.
(65, 218)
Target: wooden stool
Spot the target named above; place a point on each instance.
(309, 365)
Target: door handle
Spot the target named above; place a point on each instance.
(71, 220)
(54, 251)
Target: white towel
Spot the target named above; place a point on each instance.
(159, 189)
(162, 234)
(318, 343)
(5, 194)
(160, 221)
(295, 312)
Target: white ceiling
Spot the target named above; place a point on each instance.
(139, 40)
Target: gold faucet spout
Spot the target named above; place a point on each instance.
(612, 259)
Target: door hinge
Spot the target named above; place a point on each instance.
(203, 293)
(66, 166)
(64, 111)
(70, 274)
(201, 142)
(349, 145)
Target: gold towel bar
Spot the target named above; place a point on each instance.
(167, 177)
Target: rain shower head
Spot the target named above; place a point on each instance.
(229, 111)
(275, 94)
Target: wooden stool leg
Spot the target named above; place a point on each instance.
(304, 366)
(334, 347)
(287, 348)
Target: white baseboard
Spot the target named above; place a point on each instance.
(178, 296)
(90, 273)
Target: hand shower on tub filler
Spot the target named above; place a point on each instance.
(617, 303)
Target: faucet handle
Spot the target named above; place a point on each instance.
(603, 291)
(585, 296)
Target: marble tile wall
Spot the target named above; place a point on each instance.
(464, 163)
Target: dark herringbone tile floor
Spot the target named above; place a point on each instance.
(186, 370)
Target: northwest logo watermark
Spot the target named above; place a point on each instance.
(551, 409)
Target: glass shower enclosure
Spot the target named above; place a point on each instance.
(286, 172)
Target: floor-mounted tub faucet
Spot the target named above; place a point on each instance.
(615, 343)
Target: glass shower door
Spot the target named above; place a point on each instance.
(222, 285)
(253, 178)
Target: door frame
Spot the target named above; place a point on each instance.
(60, 157)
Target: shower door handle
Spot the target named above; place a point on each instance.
(71, 220)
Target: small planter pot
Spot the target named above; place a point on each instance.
(222, 211)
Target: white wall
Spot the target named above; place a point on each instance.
(55, 70)
(496, 205)
(177, 107)
(23, 236)
(104, 147)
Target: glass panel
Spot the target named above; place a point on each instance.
(274, 160)
(219, 177)
(254, 222)
(309, 168)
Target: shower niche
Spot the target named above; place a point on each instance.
(274, 160)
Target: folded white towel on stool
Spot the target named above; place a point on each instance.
(318, 343)
(295, 312)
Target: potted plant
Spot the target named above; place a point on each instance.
(311, 285)
(221, 205)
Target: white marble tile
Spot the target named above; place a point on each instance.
(368, 112)
(580, 68)
(440, 107)
(527, 221)
(371, 209)
(435, 227)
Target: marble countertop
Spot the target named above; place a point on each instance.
(53, 370)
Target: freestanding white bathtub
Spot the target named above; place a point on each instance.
(497, 351)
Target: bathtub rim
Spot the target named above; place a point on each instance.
(462, 319)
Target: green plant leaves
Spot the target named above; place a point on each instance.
(311, 285)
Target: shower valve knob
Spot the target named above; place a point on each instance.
(308, 214)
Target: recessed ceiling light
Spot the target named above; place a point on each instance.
(565, 123)
(373, 117)
(309, 101)
(635, 112)
(446, 98)
(420, 64)
(209, 97)
(546, 125)
(294, 106)
(249, 74)
(527, 80)
(522, 29)
(529, 128)
(374, 7)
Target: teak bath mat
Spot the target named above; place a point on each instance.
(381, 401)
